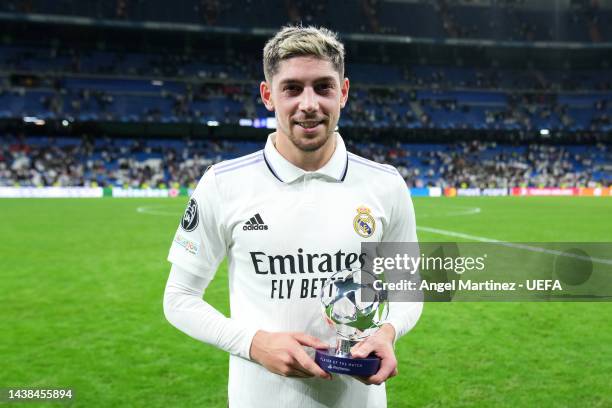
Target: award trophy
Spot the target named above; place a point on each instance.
(356, 310)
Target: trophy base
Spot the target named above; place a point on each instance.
(330, 362)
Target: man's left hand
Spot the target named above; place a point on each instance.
(381, 344)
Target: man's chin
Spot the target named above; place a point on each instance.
(310, 142)
(310, 147)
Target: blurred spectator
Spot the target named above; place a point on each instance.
(140, 163)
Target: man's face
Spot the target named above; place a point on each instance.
(306, 94)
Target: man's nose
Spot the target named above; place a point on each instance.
(309, 102)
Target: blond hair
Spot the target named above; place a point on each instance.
(297, 41)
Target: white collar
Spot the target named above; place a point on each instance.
(287, 172)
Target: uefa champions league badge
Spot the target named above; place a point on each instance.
(363, 223)
(189, 222)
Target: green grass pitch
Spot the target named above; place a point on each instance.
(82, 285)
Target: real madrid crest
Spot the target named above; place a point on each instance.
(364, 223)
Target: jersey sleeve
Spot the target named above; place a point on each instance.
(187, 311)
(403, 315)
(200, 244)
(402, 227)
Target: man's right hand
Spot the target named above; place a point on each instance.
(283, 354)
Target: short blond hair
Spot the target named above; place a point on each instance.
(298, 41)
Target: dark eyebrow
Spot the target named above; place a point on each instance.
(318, 80)
(289, 81)
(325, 79)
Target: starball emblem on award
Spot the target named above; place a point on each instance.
(355, 309)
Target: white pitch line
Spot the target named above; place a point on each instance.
(512, 244)
(155, 211)
(462, 211)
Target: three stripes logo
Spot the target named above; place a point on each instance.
(255, 223)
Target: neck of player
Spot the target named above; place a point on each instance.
(305, 160)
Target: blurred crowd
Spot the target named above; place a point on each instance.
(105, 162)
(105, 82)
(489, 165)
(142, 164)
(224, 88)
(367, 108)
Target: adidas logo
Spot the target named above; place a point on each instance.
(255, 223)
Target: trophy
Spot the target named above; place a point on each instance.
(356, 310)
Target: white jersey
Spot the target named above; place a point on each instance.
(285, 231)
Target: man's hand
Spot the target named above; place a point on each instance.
(284, 354)
(381, 344)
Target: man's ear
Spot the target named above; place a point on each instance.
(344, 92)
(265, 90)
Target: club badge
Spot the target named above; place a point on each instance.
(363, 223)
(190, 218)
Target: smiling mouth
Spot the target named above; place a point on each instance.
(309, 124)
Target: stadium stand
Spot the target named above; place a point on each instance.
(45, 161)
(582, 21)
(417, 97)
(446, 117)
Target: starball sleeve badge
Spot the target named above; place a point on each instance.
(356, 310)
